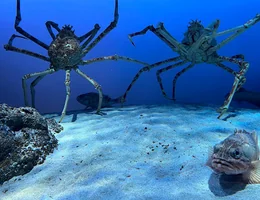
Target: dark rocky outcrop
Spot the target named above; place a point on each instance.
(26, 139)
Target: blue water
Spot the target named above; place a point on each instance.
(203, 84)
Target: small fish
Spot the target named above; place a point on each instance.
(237, 154)
(91, 100)
(248, 96)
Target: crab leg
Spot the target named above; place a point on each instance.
(10, 47)
(177, 76)
(142, 32)
(27, 76)
(165, 36)
(24, 33)
(50, 24)
(116, 57)
(239, 81)
(97, 87)
(213, 26)
(113, 57)
(238, 30)
(239, 56)
(90, 35)
(192, 65)
(231, 71)
(159, 79)
(33, 84)
(111, 26)
(147, 68)
(162, 33)
(67, 84)
(228, 69)
(189, 67)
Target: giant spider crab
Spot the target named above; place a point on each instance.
(65, 53)
(198, 46)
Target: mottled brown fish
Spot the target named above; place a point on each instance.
(237, 154)
(90, 100)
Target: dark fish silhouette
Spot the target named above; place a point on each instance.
(237, 154)
(90, 100)
(247, 96)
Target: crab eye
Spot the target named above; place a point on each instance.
(235, 153)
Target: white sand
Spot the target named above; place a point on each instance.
(122, 156)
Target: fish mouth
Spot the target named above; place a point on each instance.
(220, 165)
(222, 162)
(223, 166)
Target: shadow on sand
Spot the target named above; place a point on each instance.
(225, 185)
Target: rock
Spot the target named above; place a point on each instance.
(26, 139)
(54, 126)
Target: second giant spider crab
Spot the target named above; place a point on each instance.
(65, 53)
(198, 46)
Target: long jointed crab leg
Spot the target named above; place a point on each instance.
(24, 33)
(182, 72)
(111, 26)
(161, 32)
(147, 68)
(97, 87)
(177, 76)
(10, 47)
(238, 82)
(27, 76)
(33, 84)
(213, 27)
(164, 35)
(159, 79)
(67, 84)
(113, 57)
(90, 35)
(231, 71)
(54, 25)
(238, 30)
(142, 32)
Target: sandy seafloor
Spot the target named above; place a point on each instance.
(137, 153)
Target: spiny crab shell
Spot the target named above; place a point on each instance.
(65, 50)
(195, 30)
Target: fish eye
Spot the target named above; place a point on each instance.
(217, 148)
(235, 153)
